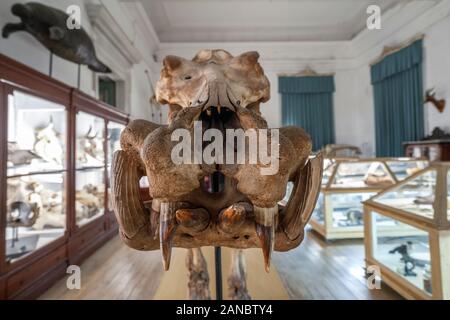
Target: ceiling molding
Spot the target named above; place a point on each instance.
(259, 20)
(138, 13)
(313, 50)
(148, 39)
(402, 22)
(103, 22)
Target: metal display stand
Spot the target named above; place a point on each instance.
(218, 265)
(215, 187)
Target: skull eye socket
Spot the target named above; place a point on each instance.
(187, 77)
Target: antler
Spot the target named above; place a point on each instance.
(430, 97)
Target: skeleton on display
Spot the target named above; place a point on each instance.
(17, 156)
(48, 144)
(241, 208)
(32, 205)
(91, 147)
(89, 201)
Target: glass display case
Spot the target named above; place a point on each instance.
(113, 141)
(347, 183)
(35, 175)
(55, 150)
(97, 137)
(407, 234)
(90, 195)
(90, 141)
(90, 168)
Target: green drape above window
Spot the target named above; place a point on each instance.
(398, 99)
(307, 102)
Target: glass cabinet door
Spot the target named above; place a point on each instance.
(36, 135)
(90, 140)
(36, 212)
(359, 174)
(347, 208)
(90, 168)
(404, 249)
(114, 131)
(90, 195)
(319, 211)
(36, 174)
(402, 169)
(113, 141)
(328, 168)
(415, 196)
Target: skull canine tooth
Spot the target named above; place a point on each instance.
(265, 229)
(167, 228)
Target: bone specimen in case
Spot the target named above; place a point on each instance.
(89, 201)
(378, 180)
(33, 205)
(48, 144)
(90, 147)
(17, 156)
(21, 214)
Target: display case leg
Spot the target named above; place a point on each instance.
(218, 262)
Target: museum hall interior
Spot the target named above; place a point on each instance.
(224, 150)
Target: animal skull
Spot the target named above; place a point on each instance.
(90, 146)
(48, 144)
(222, 92)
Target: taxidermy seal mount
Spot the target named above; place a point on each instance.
(222, 92)
(49, 26)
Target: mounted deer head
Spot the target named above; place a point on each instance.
(429, 97)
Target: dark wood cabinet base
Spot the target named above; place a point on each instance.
(33, 281)
(433, 150)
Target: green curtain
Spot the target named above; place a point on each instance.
(307, 102)
(398, 99)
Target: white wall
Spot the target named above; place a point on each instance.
(357, 126)
(436, 72)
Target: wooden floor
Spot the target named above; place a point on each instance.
(260, 284)
(316, 270)
(320, 269)
(114, 272)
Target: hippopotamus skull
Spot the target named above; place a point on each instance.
(221, 92)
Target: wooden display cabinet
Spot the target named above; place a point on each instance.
(433, 150)
(346, 183)
(53, 212)
(415, 260)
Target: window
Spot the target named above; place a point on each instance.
(107, 91)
